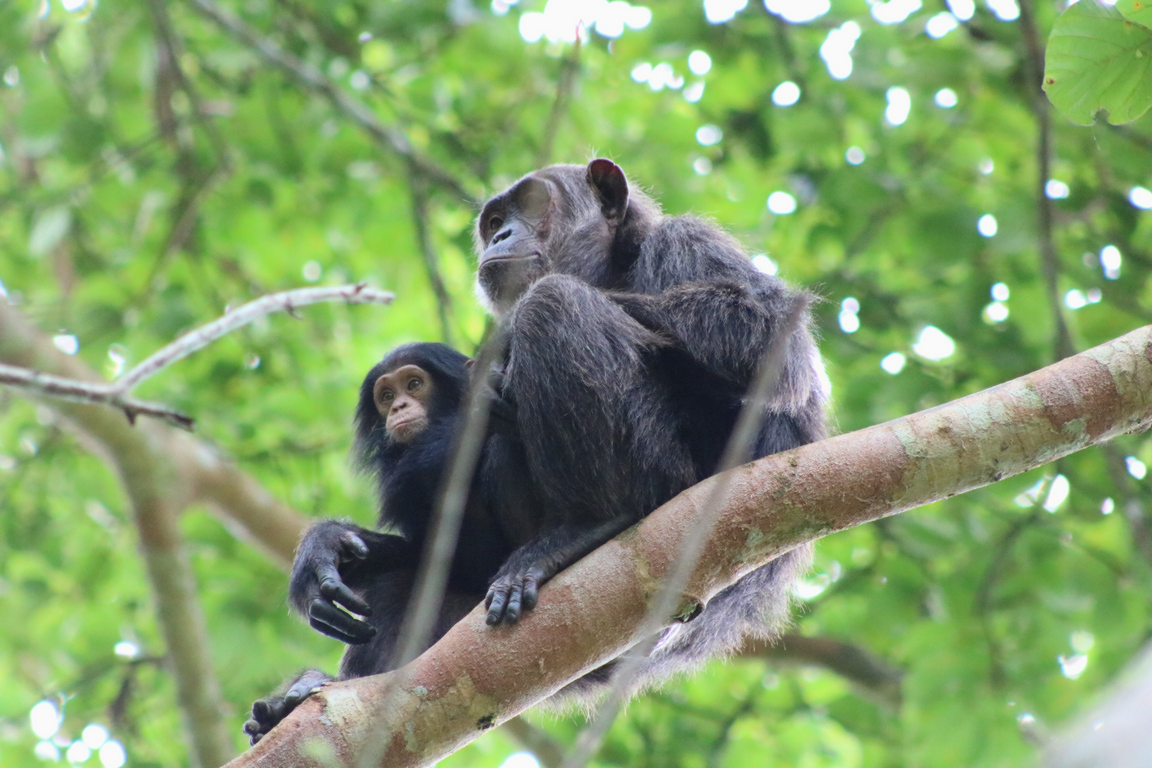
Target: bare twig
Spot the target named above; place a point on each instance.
(420, 219)
(311, 78)
(116, 393)
(88, 392)
(736, 453)
(569, 68)
(1050, 264)
(284, 301)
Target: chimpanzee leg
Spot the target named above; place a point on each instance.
(598, 429)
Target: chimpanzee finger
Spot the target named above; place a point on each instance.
(335, 623)
(267, 711)
(512, 612)
(330, 631)
(495, 601)
(298, 692)
(354, 545)
(337, 591)
(529, 589)
(255, 731)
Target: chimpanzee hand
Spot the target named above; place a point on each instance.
(269, 711)
(317, 589)
(644, 309)
(501, 408)
(514, 589)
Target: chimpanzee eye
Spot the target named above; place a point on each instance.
(386, 395)
(494, 224)
(415, 384)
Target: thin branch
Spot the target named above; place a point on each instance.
(284, 301)
(1050, 264)
(116, 393)
(169, 44)
(84, 392)
(868, 673)
(432, 579)
(311, 78)
(421, 221)
(569, 68)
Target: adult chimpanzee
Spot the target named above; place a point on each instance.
(409, 413)
(632, 339)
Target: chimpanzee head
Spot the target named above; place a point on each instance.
(570, 219)
(413, 387)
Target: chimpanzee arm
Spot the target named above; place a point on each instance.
(727, 327)
(332, 552)
(708, 296)
(515, 587)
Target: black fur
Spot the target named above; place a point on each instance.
(632, 338)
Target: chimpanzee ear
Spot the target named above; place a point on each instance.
(611, 188)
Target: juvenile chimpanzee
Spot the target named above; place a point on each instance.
(409, 412)
(632, 338)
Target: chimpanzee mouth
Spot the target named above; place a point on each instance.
(402, 428)
(511, 257)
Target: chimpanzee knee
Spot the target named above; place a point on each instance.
(597, 427)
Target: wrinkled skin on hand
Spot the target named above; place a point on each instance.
(318, 588)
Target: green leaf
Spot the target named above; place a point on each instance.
(1097, 62)
(1139, 11)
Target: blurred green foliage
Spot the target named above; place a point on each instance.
(141, 194)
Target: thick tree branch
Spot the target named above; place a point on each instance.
(478, 676)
